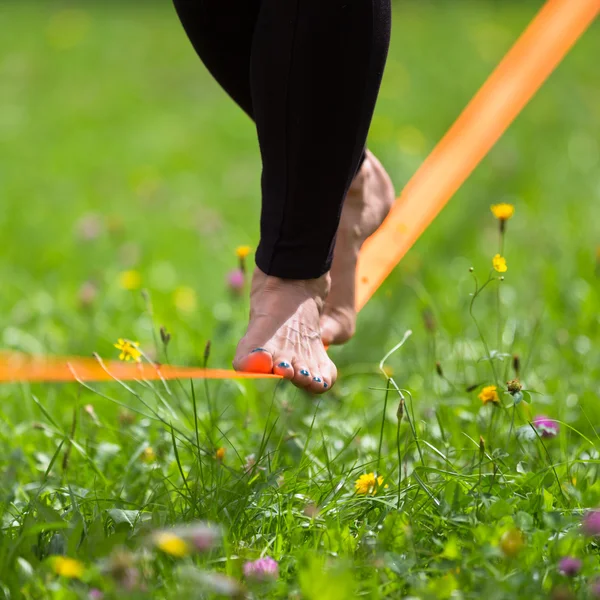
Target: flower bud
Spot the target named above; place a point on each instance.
(428, 319)
(517, 365)
(400, 411)
(165, 336)
(514, 386)
(206, 352)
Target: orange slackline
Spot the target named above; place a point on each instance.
(508, 89)
(20, 367)
(521, 73)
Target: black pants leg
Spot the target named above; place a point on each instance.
(221, 32)
(308, 72)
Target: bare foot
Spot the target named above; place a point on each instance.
(283, 334)
(367, 203)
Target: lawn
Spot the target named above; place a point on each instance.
(127, 180)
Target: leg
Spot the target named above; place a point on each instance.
(315, 72)
(367, 203)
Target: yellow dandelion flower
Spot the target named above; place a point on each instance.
(368, 484)
(68, 567)
(130, 280)
(242, 251)
(499, 263)
(220, 454)
(171, 544)
(148, 455)
(489, 394)
(503, 211)
(129, 350)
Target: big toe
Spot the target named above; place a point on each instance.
(257, 360)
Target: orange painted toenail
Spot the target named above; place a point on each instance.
(259, 362)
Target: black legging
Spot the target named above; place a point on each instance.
(308, 73)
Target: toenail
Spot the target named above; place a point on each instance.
(258, 350)
(284, 365)
(317, 379)
(325, 384)
(304, 372)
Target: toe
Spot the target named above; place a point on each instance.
(329, 375)
(320, 372)
(302, 375)
(318, 385)
(283, 366)
(257, 360)
(324, 377)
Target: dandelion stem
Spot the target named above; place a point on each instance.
(539, 437)
(491, 427)
(399, 452)
(478, 291)
(512, 420)
(197, 432)
(498, 320)
(385, 402)
(410, 417)
(65, 463)
(498, 316)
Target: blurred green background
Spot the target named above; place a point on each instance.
(118, 152)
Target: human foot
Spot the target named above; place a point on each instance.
(367, 203)
(283, 334)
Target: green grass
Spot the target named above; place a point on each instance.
(109, 124)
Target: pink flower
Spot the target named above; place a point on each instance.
(204, 537)
(569, 566)
(591, 523)
(89, 226)
(250, 462)
(201, 536)
(95, 594)
(87, 294)
(130, 579)
(236, 281)
(546, 427)
(262, 569)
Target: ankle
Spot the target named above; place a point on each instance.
(311, 287)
